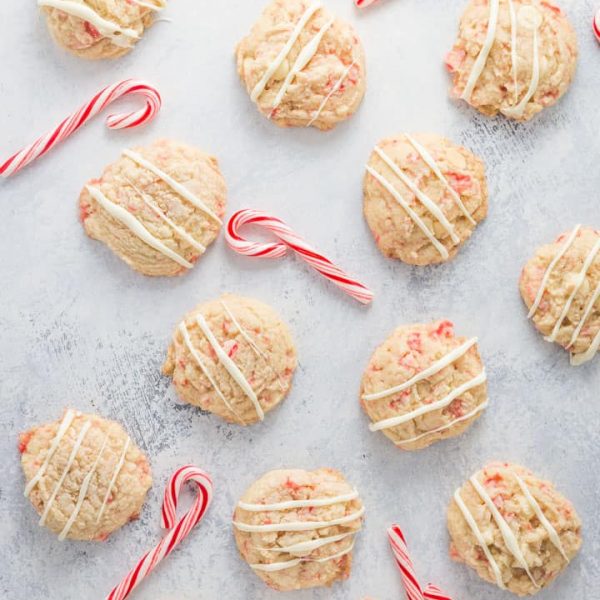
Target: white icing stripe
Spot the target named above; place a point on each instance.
(152, 4)
(411, 213)
(113, 480)
(430, 161)
(334, 89)
(507, 533)
(298, 526)
(586, 315)
(429, 204)
(427, 408)
(66, 470)
(580, 359)
(127, 219)
(62, 430)
(514, 29)
(466, 417)
(568, 243)
(480, 539)
(307, 547)
(481, 60)
(119, 36)
(578, 283)
(552, 534)
(305, 56)
(270, 568)
(230, 366)
(188, 342)
(180, 231)
(174, 185)
(82, 492)
(316, 502)
(436, 367)
(259, 88)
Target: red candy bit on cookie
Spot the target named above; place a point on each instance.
(24, 439)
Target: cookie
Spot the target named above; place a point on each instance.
(157, 207)
(514, 57)
(96, 29)
(296, 529)
(424, 385)
(302, 66)
(513, 528)
(84, 476)
(233, 357)
(423, 197)
(561, 287)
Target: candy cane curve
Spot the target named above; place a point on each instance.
(177, 532)
(88, 111)
(596, 25)
(289, 239)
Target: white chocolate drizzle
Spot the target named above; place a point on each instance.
(514, 30)
(259, 88)
(113, 479)
(62, 430)
(583, 357)
(479, 537)
(315, 502)
(151, 4)
(230, 365)
(127, 219)
(83, 492)
(70, 461)
(586, 315)
(174, 185)
(305, 548)
(119, 36)
(194, 352)
(436, 367)
(427, 408)
(507, 533)
(334, 89)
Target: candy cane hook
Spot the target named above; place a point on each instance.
(86, 112)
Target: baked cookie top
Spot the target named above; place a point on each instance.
(234, 357)
(561, 287)
(424, 384)
(513, 528)
(157, 207)
(514, 57)
(302, 66)
(84, 475)
(296, 528)
(97, 29)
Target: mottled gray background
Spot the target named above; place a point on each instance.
(79, 328)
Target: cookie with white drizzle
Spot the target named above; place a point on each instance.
(513, 528)
(561, 288)
(97, 29)
(234, 357)
(157, 207)
(514, 57)
(302, 66)
(296, 529)
(424, 384)
(84, 476)
(423, 197)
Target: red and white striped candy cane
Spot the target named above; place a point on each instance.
(289, 239)
(177, 532)
(596, 25)
(409, 577)
(88, 111)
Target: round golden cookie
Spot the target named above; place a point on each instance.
(514, 57)
(84, 476)
(561, 288)
(97, 29)
(424, 384)
(296, 529)
(513, 528)
(233, 357)
(302, 66)
(157, 207)
(423, 197)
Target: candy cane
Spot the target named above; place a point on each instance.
(88, 111)
(409, 577)
(177, 532)
(596, 25)
(289, 239)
